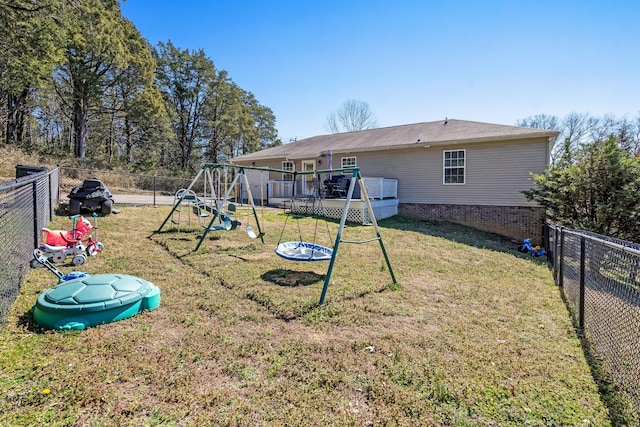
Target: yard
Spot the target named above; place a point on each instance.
(473, 334)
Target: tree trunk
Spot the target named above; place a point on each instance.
(15, 117)
(80, 128)
(129, 140)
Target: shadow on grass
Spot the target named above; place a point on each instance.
(62, 209)
(460, 234)
(291, 278)
(27, 322)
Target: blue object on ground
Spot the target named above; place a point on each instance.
(527, 247)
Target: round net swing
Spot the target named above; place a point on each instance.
(301, 250)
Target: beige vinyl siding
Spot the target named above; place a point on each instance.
(496, 173)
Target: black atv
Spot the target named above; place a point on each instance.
(91, 195)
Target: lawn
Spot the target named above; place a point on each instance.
(473, 334)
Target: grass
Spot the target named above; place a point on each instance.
(473, 334)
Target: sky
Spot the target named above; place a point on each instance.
(412, 60)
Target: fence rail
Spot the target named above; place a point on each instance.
(26, 205)
(129, 184)
(600, 276)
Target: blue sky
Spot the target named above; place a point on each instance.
(413, 60)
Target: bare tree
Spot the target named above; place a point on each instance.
(541, 121)
(352, 116)
(579, 129)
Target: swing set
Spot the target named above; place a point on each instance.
(290, 250)
(214, 213)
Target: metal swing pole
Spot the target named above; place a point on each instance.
(334, 253)
(180, 198)
(372, 216)
(345, 212)
(253, 206)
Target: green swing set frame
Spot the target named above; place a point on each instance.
(356, 177)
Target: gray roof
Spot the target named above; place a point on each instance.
(442, 132)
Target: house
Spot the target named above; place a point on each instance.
(462, 171)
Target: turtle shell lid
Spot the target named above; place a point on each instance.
(94, 292)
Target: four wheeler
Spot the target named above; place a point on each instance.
(91, 195)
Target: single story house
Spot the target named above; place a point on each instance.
(456, 170)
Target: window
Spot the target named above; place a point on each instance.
(453, 167)
(348, 162)
(288, 166)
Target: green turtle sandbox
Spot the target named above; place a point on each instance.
(92, 300)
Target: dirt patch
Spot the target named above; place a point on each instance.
(292, 278)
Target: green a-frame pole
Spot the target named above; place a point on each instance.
(343, 220)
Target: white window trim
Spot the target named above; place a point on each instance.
(464, 168)
(355, 162)
(286, 175)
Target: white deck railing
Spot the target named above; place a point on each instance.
(280, 189)
(381, 188)
(377, 188)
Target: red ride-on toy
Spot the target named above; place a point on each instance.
(57, 245)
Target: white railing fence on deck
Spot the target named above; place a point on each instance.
(377, 188)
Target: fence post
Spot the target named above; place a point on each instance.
(154, 190)
(581, 296)
(50, 185)
(545, 239)
(556, 247)
(34, 197)
(561, 259)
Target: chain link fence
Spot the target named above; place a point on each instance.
(600, 279)
(127, 188)
(26, 205)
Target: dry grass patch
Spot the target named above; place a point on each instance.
(472, 336)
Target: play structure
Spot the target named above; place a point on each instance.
(82, 300)
(78, 243)
(301, 250)
(215, 213)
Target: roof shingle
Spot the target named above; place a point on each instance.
(449, 131)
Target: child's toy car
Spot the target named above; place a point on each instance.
(527, 247)
(57, 245)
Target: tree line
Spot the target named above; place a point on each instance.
(79, 80)
(593, 181)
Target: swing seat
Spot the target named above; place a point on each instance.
(233, 223)
(252, 234)
(227, 225)
(199, 211)
(303, 251)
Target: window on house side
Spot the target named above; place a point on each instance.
(288, 166)
(453, 166)
(348, 162)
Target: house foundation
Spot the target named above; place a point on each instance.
(516, 222)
